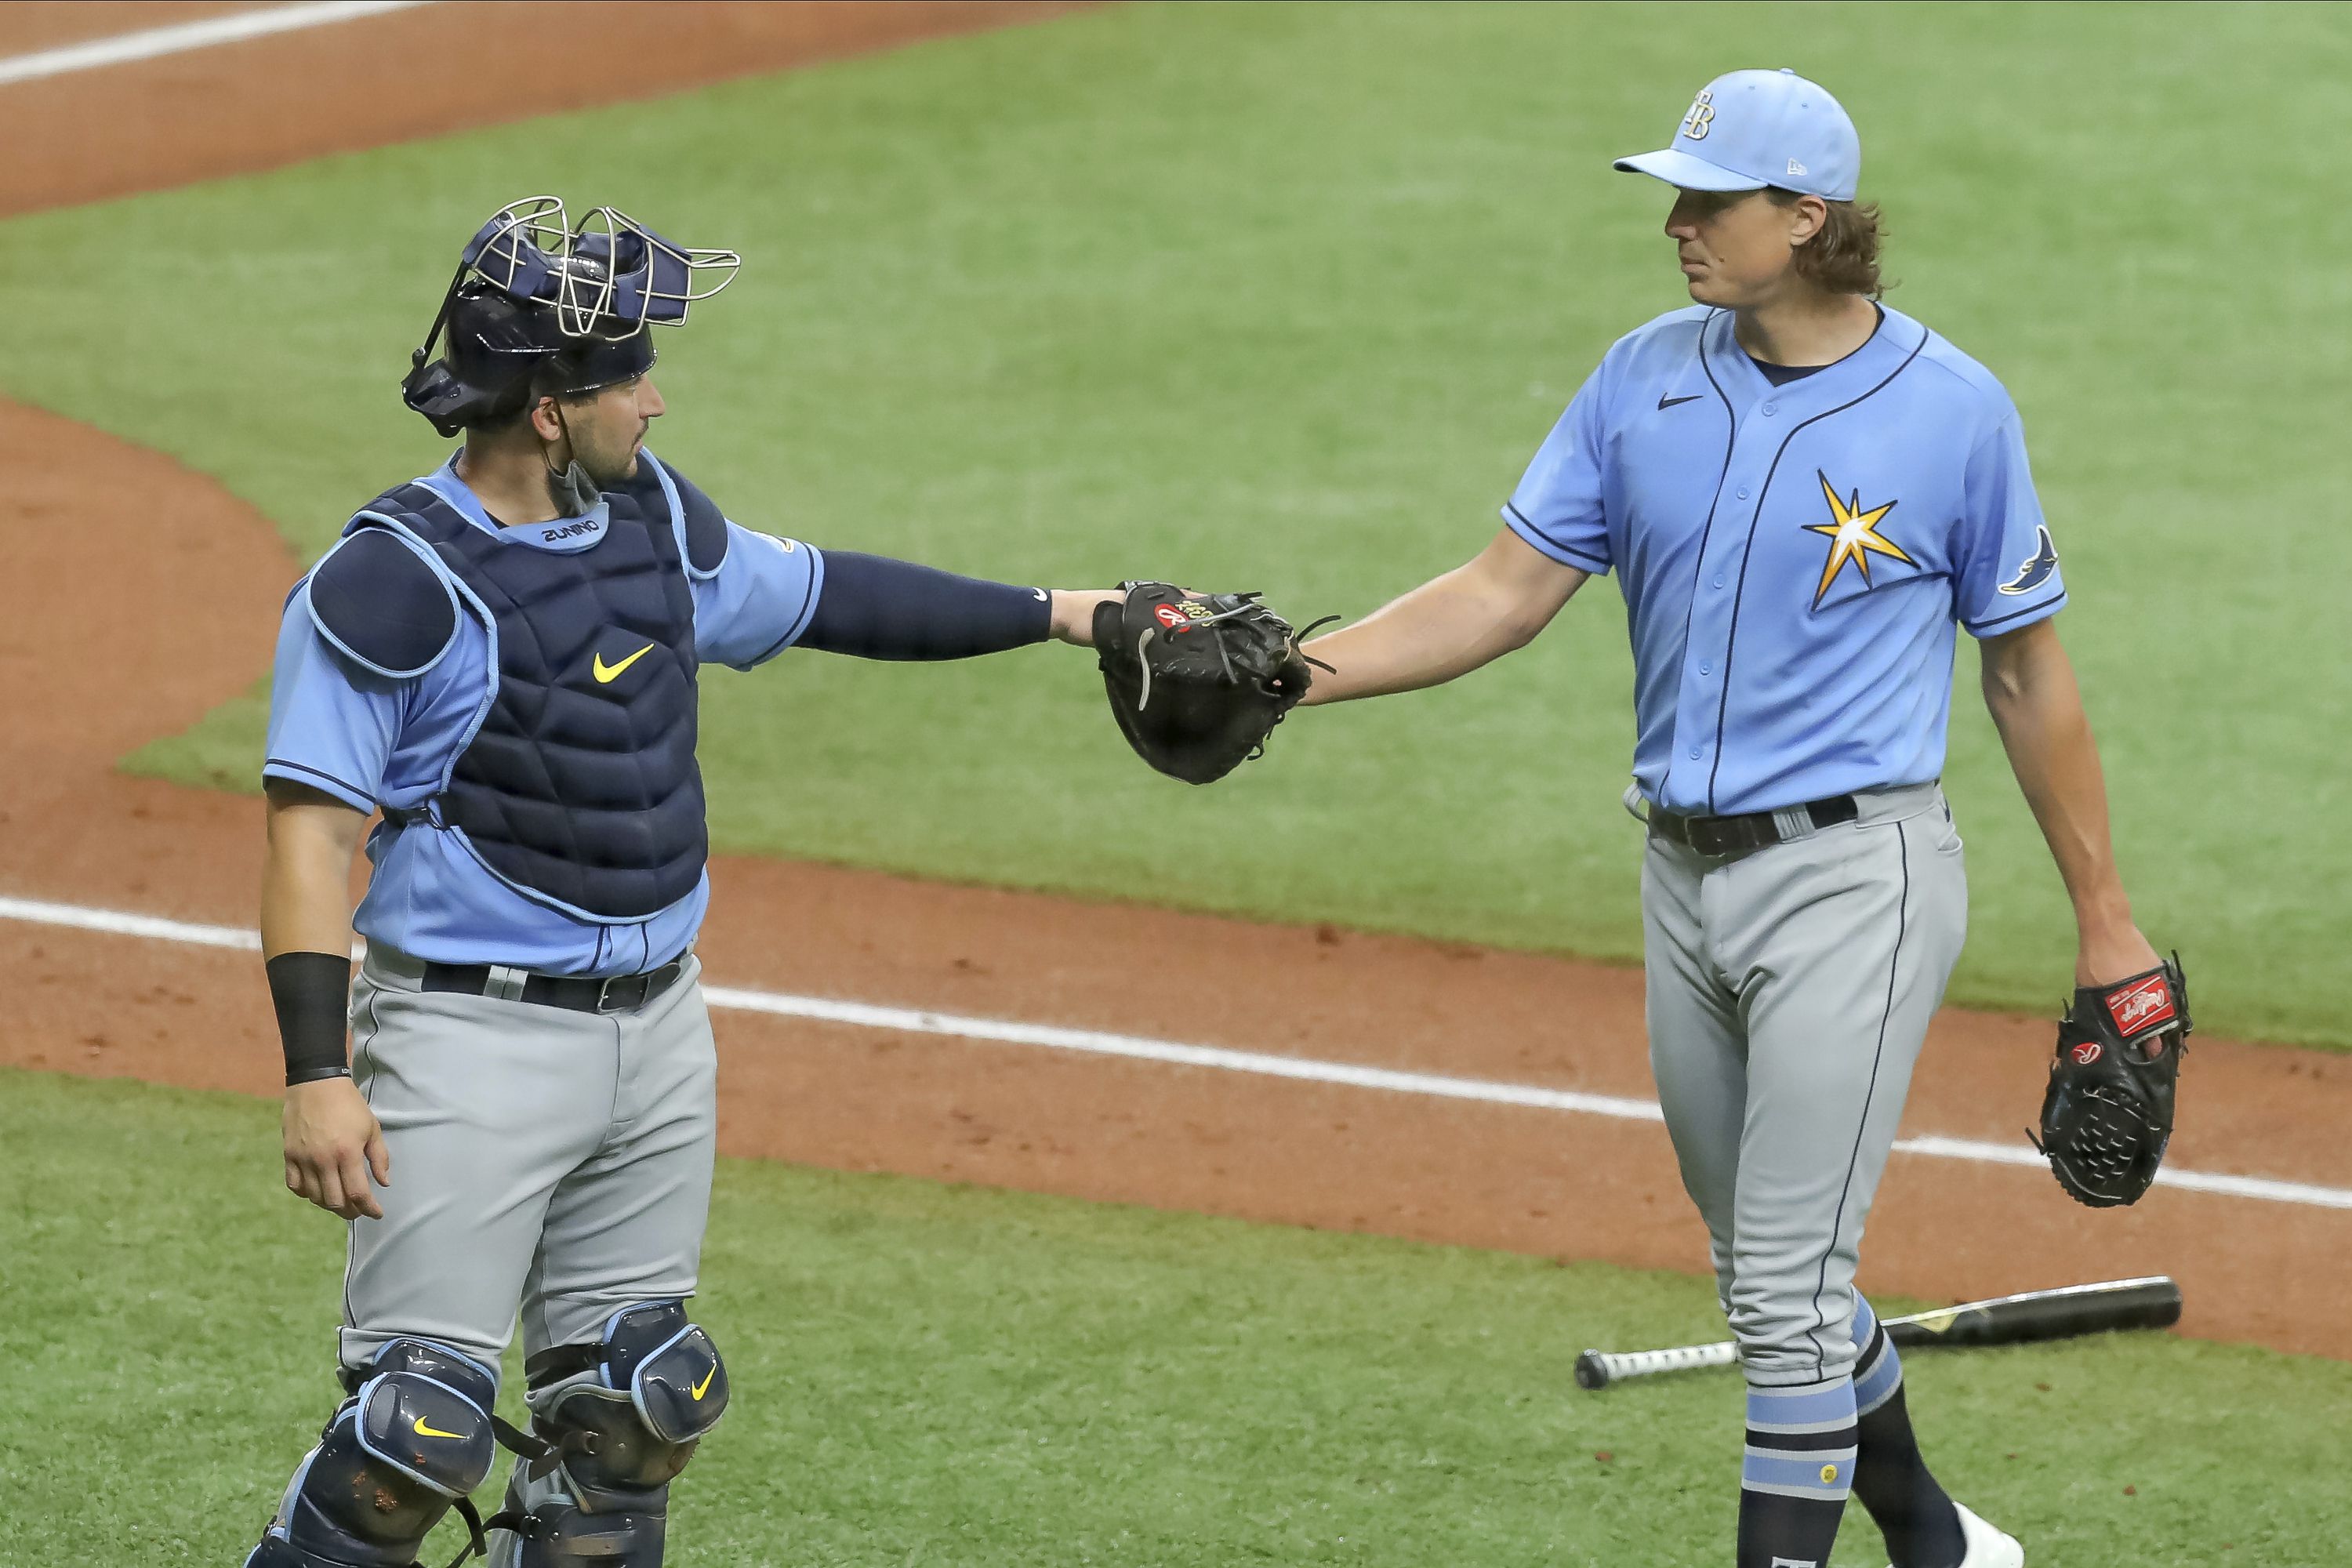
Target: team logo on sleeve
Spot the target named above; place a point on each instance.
(2035, 571)
(1854, 536)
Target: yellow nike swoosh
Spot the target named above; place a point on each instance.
(607, 673)
(704, 1386)
(425, 1431)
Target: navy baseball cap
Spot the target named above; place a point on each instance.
(1752, 129)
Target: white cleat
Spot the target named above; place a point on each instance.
(1988, 1547)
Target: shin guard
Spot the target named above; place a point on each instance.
(618, 1420)
(412, 1441)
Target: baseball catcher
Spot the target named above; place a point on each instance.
(1197, 681)
(2107, 1113)
(503, 656)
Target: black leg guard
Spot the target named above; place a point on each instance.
(412, 1441)
(619, 1419)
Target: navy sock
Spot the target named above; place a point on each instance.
(1914, 1513)
(1798, 1470)
(1778, 1532)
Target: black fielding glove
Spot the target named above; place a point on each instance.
(1197, 681)
(2106, 1115)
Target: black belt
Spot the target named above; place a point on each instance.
(576, 993)
(1732, 835)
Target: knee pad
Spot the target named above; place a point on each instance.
(620, 1418)
(413, 1438)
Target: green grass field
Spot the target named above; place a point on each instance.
(1286, 298)
(948, 1376)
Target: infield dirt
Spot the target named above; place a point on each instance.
(185, 619)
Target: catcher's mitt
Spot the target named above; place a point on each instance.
(2107, 1113)
(1197, 681)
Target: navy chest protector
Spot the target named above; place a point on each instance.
(579, 785)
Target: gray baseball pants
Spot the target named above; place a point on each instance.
(554, 1161)
(1789, 991)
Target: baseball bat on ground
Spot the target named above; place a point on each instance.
(2065, 1313)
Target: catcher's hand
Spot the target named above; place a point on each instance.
(1196, 681)
(2107, 1113)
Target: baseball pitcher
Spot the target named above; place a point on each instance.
(501, 656)
(1804, 493)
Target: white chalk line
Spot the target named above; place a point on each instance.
(1134, 1048)
(151, 43)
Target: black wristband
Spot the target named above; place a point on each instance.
(312, 990)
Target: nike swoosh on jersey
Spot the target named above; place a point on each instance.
(606, 674)
(1666, 402)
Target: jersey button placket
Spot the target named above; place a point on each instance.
(1699, 700)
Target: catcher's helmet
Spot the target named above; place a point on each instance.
(542, 307)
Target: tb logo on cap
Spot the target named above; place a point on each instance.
(1701, 116)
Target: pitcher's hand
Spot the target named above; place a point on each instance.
(2116, 953)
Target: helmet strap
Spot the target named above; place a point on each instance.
(571, 488)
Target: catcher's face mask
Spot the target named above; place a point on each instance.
(539, 307)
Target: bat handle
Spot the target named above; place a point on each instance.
(1598, 1369)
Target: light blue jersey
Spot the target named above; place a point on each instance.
(1793, 558)
(370, 740)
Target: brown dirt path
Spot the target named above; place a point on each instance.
(403, 76)
(30, 25)
(188, 622)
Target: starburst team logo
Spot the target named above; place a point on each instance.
(1854, 536)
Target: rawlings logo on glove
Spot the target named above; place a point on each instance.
(1197, 681)
(2140, 1004)
(2107, 1113)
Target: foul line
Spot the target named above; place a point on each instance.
(1134, 1048)
(151, 42)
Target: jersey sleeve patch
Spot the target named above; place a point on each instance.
(379, 606)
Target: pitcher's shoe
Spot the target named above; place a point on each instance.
(1988, 1547)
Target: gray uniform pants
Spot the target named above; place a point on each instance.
(554, 1161)
(1788, 993)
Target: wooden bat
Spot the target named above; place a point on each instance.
(2065, 1313)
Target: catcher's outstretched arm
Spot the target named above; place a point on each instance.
(872, 606)
(1448, 627)
(2030, 688)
